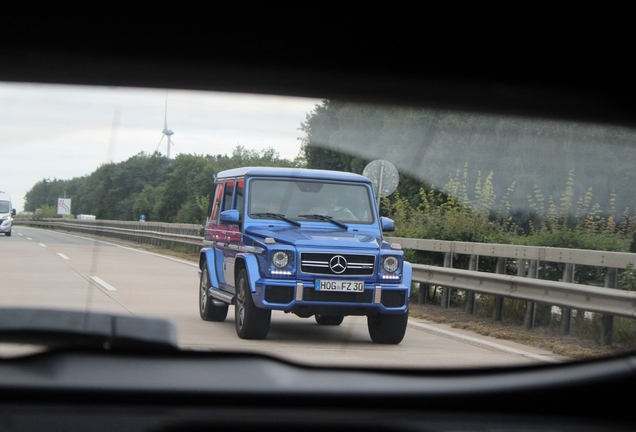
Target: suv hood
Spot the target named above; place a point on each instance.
(319, 237)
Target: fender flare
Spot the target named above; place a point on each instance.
(251, 266)
(407, 276)
(207, 255)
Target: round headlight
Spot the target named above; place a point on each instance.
(390, 264)
(280, 259)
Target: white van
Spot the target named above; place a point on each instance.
(6, 211)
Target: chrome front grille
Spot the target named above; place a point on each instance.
(335, 264)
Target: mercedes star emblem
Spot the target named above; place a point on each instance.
(338, 264)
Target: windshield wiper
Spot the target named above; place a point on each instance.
(277, 216)
(88, 330)
(325, 218)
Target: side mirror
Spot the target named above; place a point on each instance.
(13, 213)
(230, 216)
(387, 224)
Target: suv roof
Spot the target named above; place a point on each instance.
(292, 172)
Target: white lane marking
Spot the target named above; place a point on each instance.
(63, 256)
(102, 283)
(19, 234)
(29, 238)
(132, 249)
(159, 255)
(43, 245)
(482, 342)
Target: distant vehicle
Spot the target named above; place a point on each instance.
(85, 217)
(307, 242)
(6, 211)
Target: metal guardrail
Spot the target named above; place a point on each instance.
(605, 300)
(154, 233)
(556, 255)
(576, 296)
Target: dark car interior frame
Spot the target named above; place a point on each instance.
(119, 50)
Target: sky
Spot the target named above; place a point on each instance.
(56, 131)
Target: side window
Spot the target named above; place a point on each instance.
(227, 195)
(240, 201)
(215, 202)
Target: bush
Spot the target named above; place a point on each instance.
(46, 212)
(628, 278)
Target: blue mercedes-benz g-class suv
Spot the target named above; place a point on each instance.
(307, 242)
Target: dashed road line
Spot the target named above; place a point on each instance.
(43, 245)
(132, 249)
(63, 256)
(103, 284)
(29, 238)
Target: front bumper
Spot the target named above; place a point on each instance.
(5, 226)
(302, 298)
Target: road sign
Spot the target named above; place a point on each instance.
(384, 177)
(64, 206)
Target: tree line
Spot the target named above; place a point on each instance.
(162, 189)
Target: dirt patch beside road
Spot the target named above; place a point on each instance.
(545, 337)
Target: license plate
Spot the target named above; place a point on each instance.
(339, 285)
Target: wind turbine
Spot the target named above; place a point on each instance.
(166, 132)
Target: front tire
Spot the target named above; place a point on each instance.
(207, 309)
(251, 322)
(330, 320)
(8, 234)
(387, 328)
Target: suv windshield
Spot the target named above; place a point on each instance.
(299, 199)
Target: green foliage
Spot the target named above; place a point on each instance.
(193, 211)
(585, 227)
(450, 213)
(565, 237)
(46, 192)
(165, 190)
(192, 176)
(146, 202)
(628, 277)
(468, 210)
(46, 212)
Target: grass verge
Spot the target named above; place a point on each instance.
(576, 345)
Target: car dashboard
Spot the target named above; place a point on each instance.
(61, 389)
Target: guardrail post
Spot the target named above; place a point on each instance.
(566, 312)
(473, 265)
(498, 308)
(445, 302)
(422, 294)
(607, 321)
(533, 272)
